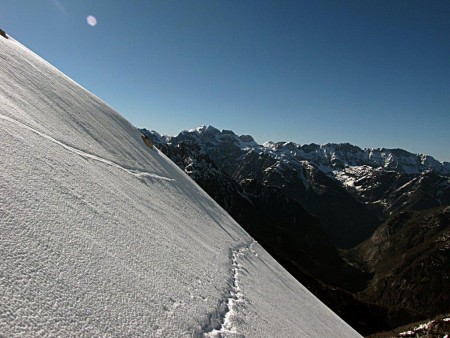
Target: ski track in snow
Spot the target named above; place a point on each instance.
(227, 308)
(134, 172)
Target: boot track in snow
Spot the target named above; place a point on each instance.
(220, 322)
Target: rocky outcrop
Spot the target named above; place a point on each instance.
(148, 142)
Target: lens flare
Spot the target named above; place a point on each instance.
(91, 20)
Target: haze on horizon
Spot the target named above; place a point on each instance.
(374, 74)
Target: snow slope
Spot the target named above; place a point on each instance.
(101, 236)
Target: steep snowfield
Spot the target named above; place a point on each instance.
(101, 236)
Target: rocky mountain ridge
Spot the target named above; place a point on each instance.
(329, 158)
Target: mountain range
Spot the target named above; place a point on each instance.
(358, 187)
(326, 212)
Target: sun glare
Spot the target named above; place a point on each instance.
(91, 20)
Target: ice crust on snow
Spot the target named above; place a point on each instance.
(102, 236)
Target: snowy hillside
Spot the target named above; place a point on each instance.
(102, 236)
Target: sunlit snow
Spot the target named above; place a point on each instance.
(102, 236)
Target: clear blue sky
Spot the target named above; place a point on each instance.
(372, 73)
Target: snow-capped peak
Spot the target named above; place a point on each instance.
(204, 129)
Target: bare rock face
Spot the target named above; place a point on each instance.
(2, 33)
(147, 141)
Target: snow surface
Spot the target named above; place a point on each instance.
(102, 236)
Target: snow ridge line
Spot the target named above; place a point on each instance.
(227, 308)
(136, 173)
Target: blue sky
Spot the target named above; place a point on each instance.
(372, 73)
